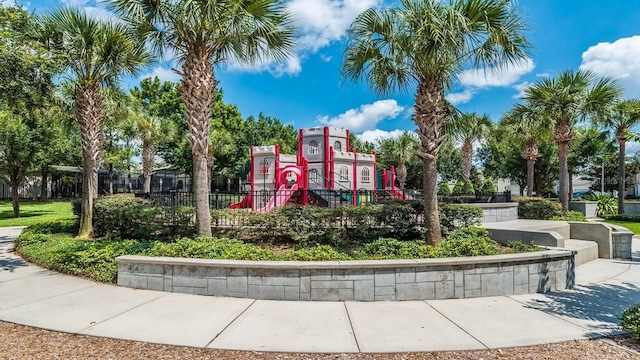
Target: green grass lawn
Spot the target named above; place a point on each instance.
(32, 213)
(633, 226)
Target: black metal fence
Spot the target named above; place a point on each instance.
(266, 199)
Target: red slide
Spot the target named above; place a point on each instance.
(398, 194)
(281, 197)
(242, 204)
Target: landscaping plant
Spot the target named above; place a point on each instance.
(607, 205)
(630, 321)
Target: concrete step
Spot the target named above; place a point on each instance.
(587, 250)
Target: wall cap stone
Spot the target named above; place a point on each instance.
(552, 253)
(494, 205)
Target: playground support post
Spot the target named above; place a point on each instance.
(355, 177)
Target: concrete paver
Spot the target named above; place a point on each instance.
(406, 326)
(76, 311)
(502, 322)
(600, 270)
(36, 288)
(290, 327)
(176, 319)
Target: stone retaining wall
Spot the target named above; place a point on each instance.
(587, 208)
(385, 280)
(621, 239)
(498, 212)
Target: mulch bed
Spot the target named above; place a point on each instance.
(22, 342)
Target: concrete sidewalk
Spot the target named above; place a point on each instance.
(36, 297)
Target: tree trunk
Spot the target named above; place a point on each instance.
(44, 175)
(467, 158)
(110, 179)
(147, 165)
(621, 174)
(563, 192)
(530, 172)
(401, 174)
(198, 93)
(130, 186)
(570, 186)
(89, 113)
(431, 117)
(15, 198)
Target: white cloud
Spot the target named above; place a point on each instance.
(366, 117)
(618, 60)
(373, 136)
(632, 148)
(504, 76)
(163, 73)
(8, 3)
(75, 3)
(293, 66)
(100, 13)
(543, 74)
(462, 97)
(521, 88)
(321, 22)
(326, 58)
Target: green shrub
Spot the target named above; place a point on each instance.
(453, 216)
(538, 209)
(520, 247)
(444, 189)
(607, 205)
(468, 241)
(127, 217)
(630, 321)
(624, 217)
(389, 248)
(571, 216)
(488, 187)
(458, 189)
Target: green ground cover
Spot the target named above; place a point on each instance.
(32, 213)
(633, 226)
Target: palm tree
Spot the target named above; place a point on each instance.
(202, 34)
(467, 129)
(96, 53)
(564, 100)
(624, 116)
(400, 151)
(526, 127)
(425, 43)
(151, 131)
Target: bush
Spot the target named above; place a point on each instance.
(458, 189)
(488, 187)
(520, 247)
(538, 209)
(127, 217)
(624, 217)
(388, 248)
(571, 216)
(468, 241)
(444, 189)
(453, 216)
(630, 321)
(607, 205)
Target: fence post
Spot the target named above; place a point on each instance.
(216, 198)
(275, 199)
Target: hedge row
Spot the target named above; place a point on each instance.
(125, 217)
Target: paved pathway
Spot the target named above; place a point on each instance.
(36, 297)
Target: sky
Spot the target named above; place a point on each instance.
(307, 91)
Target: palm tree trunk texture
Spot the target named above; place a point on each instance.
(621, 174)
(530, 172)
(198, 92)
(401, 174)
(147, 165)
(467, 157)
(563, 150)
(431, 118)
(89, 114)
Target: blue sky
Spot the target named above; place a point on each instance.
(307, 91)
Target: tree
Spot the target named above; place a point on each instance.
(449, 161)
(400, 151)
(97, 53)
(564, 100)
(204, 34)
(468, 129)
(361, 146)
(589, 147)
(526, 127)
(622, 118)
(424, 44)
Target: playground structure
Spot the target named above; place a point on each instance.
(323, 173)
